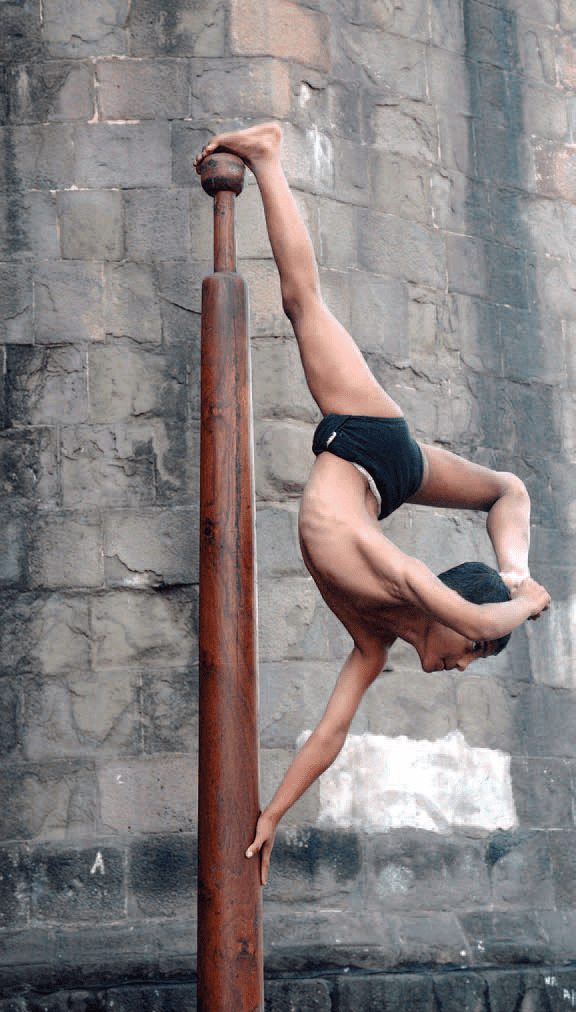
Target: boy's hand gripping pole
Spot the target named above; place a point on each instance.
(230, 962)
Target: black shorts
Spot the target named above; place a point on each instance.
(381, 448)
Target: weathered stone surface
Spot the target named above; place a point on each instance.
(82, 715)
(138, 89)
(157, 224)
(163, 874)
(305, 995)
(68, 298)
(543, 792)
(314, 863)
(66, 550)
(504, 938)
(169, 718)
(28, 226)
(90, 225)
(138, 628)
(181, 28)
(57, 91)
(404, 991)
(130, 382)
(96, 29)
(10, 716)
(49, 801)
(123, 154)
(251, 89)
(16, 303)
(151, 795)
(415, 870)
(131, 305)
(77, 885)
(151, 547)
(46, 633)
(281, 29)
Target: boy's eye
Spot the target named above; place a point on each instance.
(477, 647)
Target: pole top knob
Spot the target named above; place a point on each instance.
(222, 171)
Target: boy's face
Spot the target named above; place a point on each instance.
(446, 650)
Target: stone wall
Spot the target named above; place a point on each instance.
(430, 145)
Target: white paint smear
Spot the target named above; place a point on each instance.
(381, 783)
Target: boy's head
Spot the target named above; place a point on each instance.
(480, 584)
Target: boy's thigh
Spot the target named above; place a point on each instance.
(451, 481)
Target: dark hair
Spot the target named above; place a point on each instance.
(480, 584)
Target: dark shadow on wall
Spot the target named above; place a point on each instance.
(521, 352)
(514, 399)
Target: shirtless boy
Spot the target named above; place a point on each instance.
(366, 466)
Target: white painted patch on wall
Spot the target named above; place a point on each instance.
(322, 156)
(379, 783)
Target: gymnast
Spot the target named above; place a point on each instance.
(366, 466)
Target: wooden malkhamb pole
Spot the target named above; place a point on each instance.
(230, 964)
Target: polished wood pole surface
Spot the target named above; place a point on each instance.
(230, 964)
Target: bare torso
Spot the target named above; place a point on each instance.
(338, 520)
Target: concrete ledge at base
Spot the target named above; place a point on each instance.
(545, 990)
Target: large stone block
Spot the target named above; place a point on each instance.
(44, 155)
(405, 128)
(402, 991)
(520, 875)
(131, 303)
(151, 548)
(455, 141)
(464, 992)
(90, 225)
(95, 29)
(543, 792)
(267, 318)
(490, 35)
(142, 89)
(68, 301)
(449, 80)
(562, 845)
(77, 885)
(409, 702)
(283, 458)
(82, 715)
(483, 711)
(66, 550)
(294, 624)
(403, 249)
(293, 698)
(16, 304)
(398, 65)
(128, 381)
(278, 549)
(58, 91)
(187, 140)
(279, 386)
(157, 224)
(49, 801)
(102, 466)
(500, 937)
(537, 52)
(162, 875)
(45, 385)
(380, 316)
(260, 88)
(49, 633)
(123, 154)
(10, 718)
(169, 703)
(281, 29)
(13, 882)
(28, 226)
(399, 186)
(315, 864)
(152, 794)
(304, 995)
(13, 545)
(144, 629)
(412, 869)
(182, 28)
(29, 465)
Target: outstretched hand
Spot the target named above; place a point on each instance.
(536, 594)
(263, 843)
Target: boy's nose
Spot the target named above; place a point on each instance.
(462, 664)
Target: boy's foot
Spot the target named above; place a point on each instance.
(254, 145)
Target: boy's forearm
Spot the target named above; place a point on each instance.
(312, 760)
(508, 524)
